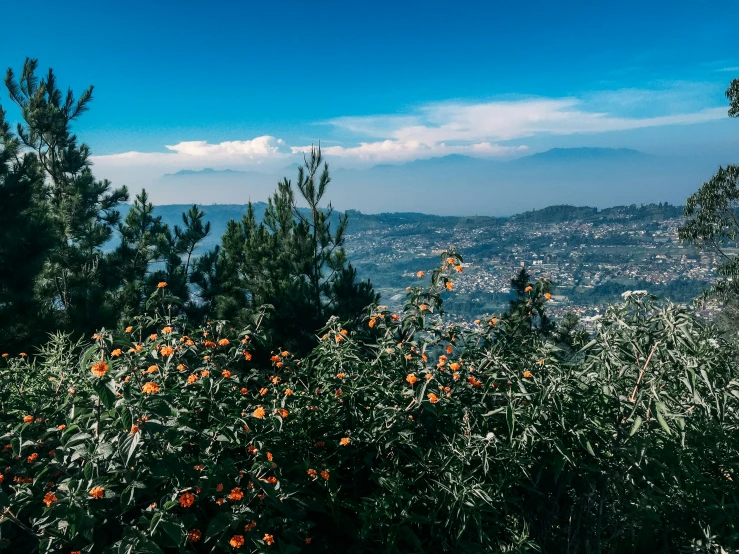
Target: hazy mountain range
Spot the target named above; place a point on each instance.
(459, 184)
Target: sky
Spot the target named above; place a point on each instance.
(247, 84)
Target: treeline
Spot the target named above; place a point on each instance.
(59, 273)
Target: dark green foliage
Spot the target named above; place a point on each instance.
(732, 93)
(294, 260)
(713, 224)
(26, 237)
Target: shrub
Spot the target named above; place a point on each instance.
(407, 435)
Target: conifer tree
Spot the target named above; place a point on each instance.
(713, 225)
(82, 209)
(25, 241)
(294, 261)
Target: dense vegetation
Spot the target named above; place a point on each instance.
(257, 397)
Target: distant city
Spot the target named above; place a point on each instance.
(591, 256)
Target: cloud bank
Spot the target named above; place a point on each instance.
(481, 129)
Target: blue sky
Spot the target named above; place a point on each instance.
(242, 83)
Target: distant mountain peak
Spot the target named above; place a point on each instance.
(586, 153)
(204, 171)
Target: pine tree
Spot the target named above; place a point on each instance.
(294, 261)
(82, 209)
(25, 241)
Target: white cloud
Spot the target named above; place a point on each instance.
(478, 129)
(507, 120)
(198, 152)
(398, 150)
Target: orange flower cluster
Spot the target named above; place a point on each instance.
(166, 351)
(236, 494)
(194, 535)
(187, 499)
(344, 441)
(49, 499)
(259, 413)
(99, 368)
(150, 388)
(237, 541)
(97, 492)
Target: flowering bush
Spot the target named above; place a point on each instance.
(407, 435)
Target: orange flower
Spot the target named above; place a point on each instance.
(23, 354)
(226, 374)
(450, 260)
(474, 382)
(493, 321)
(181, 367)
(449, 349)
(194, 535)
(237, 541)
(162, 285)
(263, 391)
(547, 296)
(115, 353)
(32, 458)
(283, 413)
(458, 268)
(153, 336)
(249, 526)
(541, 362)
(456, 376)
(236, 494)
(272, 480)
(97, 492)
(224, 342)
(312, 473)
(340, 375)
(167, 330)
(454, 366)
(420, 274)
(344, 441)
(269, 456)
(411, 378)
(251, 449)
(150, 388)
(5, 355)
(432, 398)
(325, 474)
(49, 499)
(247, 356)
(62, 427)
(99, 368)
(395, 317)
(187, 499)
(528, 374)
(129, 329)
(259, 413)
(450, 285)
(219, 487)
(275, 358)
(372, 322)
(528, 289)
(288, 392)
(166, 351)
(269, 539)
(27, 419)
(192, 378)
(151, 369)
(139, 348)
(204, 373)
(307, 540)
(134, 429)
(244, 390)
(339, 338)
